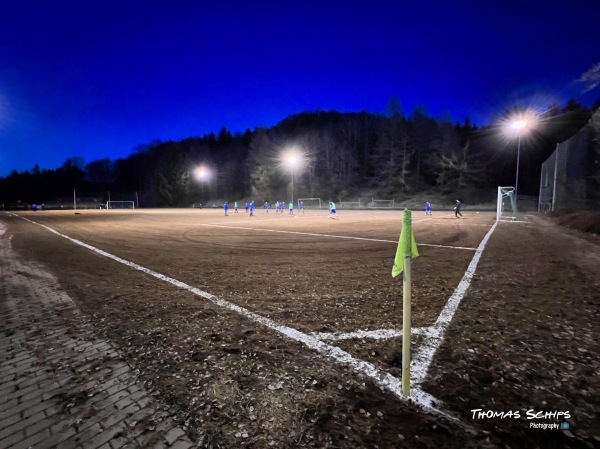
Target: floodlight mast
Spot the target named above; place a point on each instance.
(292, 161)
(292, 158)
(202, 173)
(518, 125)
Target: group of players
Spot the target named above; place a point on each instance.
(457, 208)
(279, 207)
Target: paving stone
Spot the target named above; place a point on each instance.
(182, 444)
(104, 437)
(21, 425)
(173, 435)
(9, 421)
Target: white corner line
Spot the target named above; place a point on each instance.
(382, 378)
(379, 334)
(424, 355)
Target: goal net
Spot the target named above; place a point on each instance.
(310, 203)
(381, 204)
(120, 204)
(506, 209)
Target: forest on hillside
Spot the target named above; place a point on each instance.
(344, 156)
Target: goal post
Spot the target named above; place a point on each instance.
(506, 207)
(120, 204)
(310, 203)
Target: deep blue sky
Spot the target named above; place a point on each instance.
(97, 78)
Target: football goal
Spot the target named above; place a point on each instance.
(506, 208)
(310, 203)
(120, 204)
(381, 204)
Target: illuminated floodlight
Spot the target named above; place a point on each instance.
(520, 124)
(202, 174)
(293, 158)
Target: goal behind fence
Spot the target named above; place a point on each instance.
(120, 204)
(310, 203)
(381, 204)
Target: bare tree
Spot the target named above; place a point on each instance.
(457, 170)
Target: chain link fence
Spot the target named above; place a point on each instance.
(570, 177)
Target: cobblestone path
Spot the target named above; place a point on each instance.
(60, 385)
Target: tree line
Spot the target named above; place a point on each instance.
(345, 156)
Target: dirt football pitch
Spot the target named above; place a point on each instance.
(286, 331)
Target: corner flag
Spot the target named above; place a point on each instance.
(406, 244)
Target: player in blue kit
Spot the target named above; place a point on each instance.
(251, 208)
(301, 206)
(226, 207)
(427, 208)
(267, 206)
(332, 210)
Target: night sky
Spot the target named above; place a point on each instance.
(97, 78)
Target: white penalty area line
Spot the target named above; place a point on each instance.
(380, 377)
(311, 234)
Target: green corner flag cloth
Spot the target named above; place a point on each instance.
(406, 245)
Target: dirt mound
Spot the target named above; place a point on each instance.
(585, 221)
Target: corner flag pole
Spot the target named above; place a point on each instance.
(407, 250)
(406, 303)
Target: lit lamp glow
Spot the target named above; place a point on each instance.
(202, 173)
(519, 125)
(292, 159)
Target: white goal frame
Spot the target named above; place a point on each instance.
(304, 200)
(120, 204)
(381, 204)
(505, 193)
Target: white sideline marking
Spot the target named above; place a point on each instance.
(424, 355)
(380, 377)
(378, 334)
(328, 235)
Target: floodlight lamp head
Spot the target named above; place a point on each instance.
(292, 158)
(202, 173)
(519, 124)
